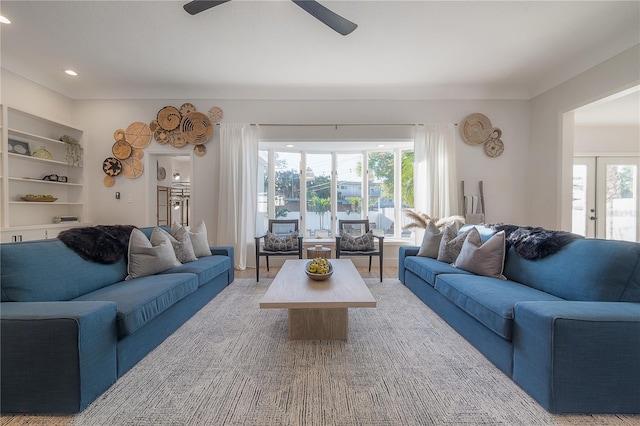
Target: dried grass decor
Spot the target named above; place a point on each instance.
(421, 220)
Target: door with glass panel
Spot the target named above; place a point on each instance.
(606, 197)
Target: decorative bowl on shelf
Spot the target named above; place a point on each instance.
(41, 199)
(325, 269)
(42, 153)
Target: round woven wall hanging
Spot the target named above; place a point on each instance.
(121, 149)
(132, 168)
(109, 181)
(118, 135)
(112, 166)
(187, 109)
(196, 128)
(216, 114)
(200, 150)
(476, 129)
(138, 134)
(169, 118)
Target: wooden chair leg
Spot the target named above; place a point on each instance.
(267, 257)
(257, 268)
(381, 268)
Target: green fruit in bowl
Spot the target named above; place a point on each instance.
(319, 265)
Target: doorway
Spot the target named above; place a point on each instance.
(605, 197)
(171, 190)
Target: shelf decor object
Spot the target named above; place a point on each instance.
(73, 150)
(39, 199)
(42, 153)
(17, 147)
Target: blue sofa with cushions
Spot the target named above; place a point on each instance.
(71, 327)
(565, 328)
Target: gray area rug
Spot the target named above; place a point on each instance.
(231, 364)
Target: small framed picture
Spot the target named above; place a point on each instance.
(18, 147)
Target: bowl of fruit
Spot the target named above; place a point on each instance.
(319, 269)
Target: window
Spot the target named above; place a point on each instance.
(344, 181)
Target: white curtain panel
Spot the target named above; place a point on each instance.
(238, 175)
(435, 180)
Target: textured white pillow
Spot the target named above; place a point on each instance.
(199, 238)
(181, 242)
(149, 257)
(483, 259)
(430, 241)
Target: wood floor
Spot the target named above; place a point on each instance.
(388, 272)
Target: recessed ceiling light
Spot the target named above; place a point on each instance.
(381, 145)
(289, 145)
(71, 72)
(4, 20)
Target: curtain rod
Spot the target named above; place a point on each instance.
(340, 125)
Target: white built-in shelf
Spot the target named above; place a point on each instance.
(30, 158)
(29, 137)
(46, 203)
(48, 182)
(48, 225)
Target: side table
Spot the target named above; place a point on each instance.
(313, 252)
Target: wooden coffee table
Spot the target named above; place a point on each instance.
(318, 310)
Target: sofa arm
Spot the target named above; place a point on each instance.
(225, 251)
(579, 357)
(403, 252)
(57, 357)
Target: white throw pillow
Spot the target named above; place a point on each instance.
(199, 238)
(483, 259)
(149, 257)
(430, 241)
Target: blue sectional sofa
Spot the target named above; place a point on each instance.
(565, 328)
(71, 327)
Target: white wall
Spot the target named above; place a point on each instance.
(606, 140)
(550, 158)
(504, 177)
(28, 96)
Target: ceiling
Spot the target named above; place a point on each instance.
(274, 50)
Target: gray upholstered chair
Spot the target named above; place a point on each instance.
(282, 229)
(349, 229)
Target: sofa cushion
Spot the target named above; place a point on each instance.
(584, 270)
(488, 300)
(428, 269)
(206, 268)
(48, 270)
(138, 301)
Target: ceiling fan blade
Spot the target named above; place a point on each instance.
(197, 6)
(329, 18)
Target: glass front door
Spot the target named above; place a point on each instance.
(605, 197)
